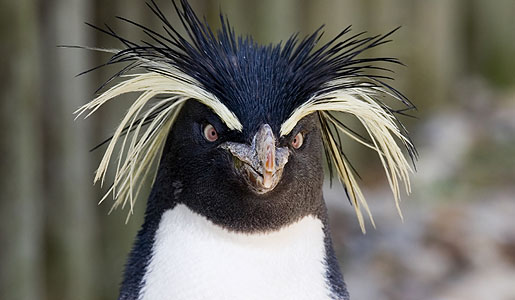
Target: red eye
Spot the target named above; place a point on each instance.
(298, 140)
(210, 133)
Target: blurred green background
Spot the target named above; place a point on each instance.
(458, 237)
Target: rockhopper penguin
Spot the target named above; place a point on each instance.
(238, 132)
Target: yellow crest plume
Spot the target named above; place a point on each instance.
(379, 123)
(138, 153)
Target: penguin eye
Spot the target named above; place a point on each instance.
(298, 140)
(210, 133)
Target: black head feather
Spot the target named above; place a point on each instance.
(258, 83)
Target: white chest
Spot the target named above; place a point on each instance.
(195, 259)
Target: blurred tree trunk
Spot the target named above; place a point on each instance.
(21, 263)
(491, 43)
(435, 49)
(70, 217)
(277, 20)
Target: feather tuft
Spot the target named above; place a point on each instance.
(379, 123)
(145, 146)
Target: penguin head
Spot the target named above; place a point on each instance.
(241, 127)
(253, 180)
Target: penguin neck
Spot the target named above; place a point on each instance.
(196, 258)
(172, 230)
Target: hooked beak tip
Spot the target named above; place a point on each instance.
(268, 179)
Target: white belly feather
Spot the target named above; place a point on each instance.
(195, 259)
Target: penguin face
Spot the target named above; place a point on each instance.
(244, 181)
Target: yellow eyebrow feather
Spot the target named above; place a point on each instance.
(379, 124)
(135, 163)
